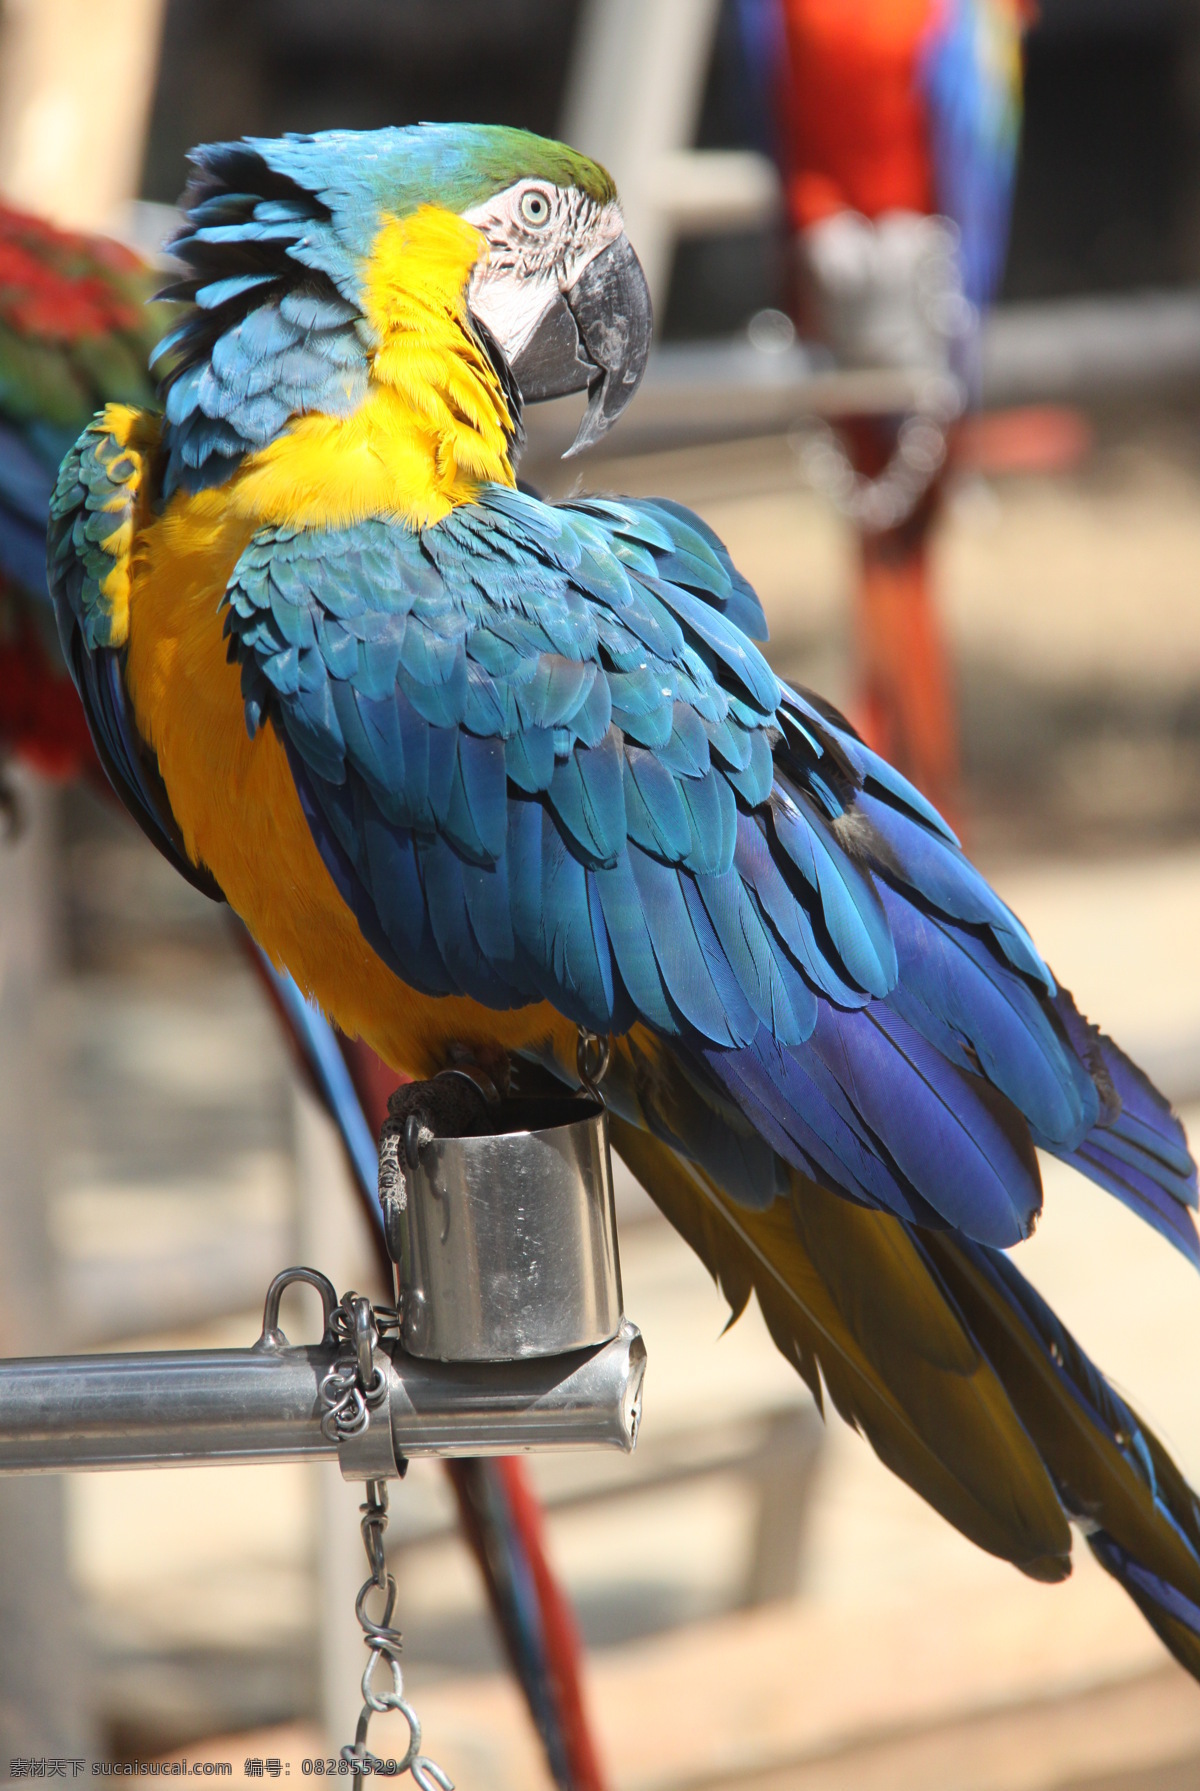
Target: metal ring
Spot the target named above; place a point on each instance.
(381, 1632)
(272, 1337)
(353, 1427)
(593, 1054)
(365, 1337)
(341, 1395)
(477, 1076)
(372, 1528)
(379, 1701)
(428, 1776)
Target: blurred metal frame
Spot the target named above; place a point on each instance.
(633, 96)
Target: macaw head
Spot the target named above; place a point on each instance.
(281, 248)
(560, 290)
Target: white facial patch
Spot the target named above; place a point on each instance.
(539, 240)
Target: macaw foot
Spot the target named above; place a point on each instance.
(455, 1104)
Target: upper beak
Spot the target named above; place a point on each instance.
(597, 335)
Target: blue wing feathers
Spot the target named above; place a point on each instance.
(1142, 1191)
(1139, 1111)
(632, 946)
(849, 906)
(476, 817)
(802, 1113)
(685, 750)
(656, 815)
(981, 1014)
(1123, 1146)
(443, 876)
(554, 737)
(531, 760)
(711, 811)
(789, 916)
(700, 984)
(588, 798)
(937, 870)
(755, 781)
(970, 1159)
(868, 1107)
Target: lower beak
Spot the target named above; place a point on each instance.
(597, 335)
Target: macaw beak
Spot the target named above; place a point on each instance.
(596, 336)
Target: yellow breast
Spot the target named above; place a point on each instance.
(435, 424)
(432, 427)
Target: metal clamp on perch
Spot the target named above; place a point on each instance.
(507, 1334)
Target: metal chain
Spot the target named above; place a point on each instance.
(592, 1057)
(385, 1644)
(351, 1389)
(354, 1385)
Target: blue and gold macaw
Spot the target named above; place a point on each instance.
(482, 771)
(75, 330)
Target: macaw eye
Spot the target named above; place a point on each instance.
(535, 208)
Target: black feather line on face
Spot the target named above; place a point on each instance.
(508, 385)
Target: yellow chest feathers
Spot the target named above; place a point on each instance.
(433, 426)
(435, 423)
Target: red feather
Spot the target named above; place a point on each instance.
(41, 717)
(855, 124)
(52, 283)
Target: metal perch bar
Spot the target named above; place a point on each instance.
(181, 1407)
(520, 1342)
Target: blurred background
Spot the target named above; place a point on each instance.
(982, 538)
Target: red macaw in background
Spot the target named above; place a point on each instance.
(906, 106)
(891, 114)
(75, 333)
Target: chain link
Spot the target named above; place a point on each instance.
(384, 1643)
(592, 1057)
(355, 1385)
(350, 1391)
